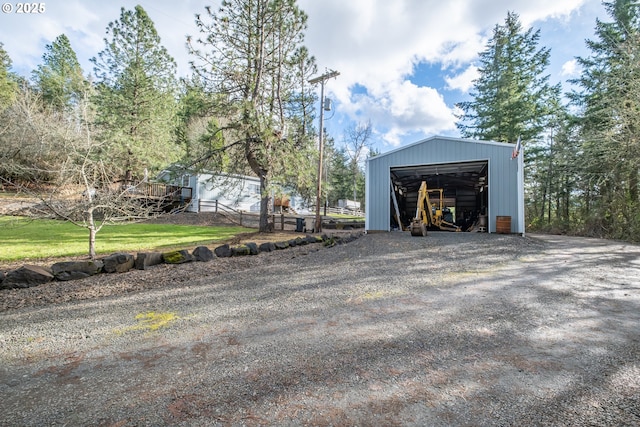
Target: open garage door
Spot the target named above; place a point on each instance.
(465, 191)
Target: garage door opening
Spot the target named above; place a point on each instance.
(463, 188)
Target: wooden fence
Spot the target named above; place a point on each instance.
(338, 211)
(280, 221)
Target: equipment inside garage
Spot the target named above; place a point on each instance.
(460, 189)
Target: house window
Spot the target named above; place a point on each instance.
(185, 181)
(254, 188)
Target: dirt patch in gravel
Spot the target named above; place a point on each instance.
(452, 329)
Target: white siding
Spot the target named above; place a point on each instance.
(235, 191)
(238, 192)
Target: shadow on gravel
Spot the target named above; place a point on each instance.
(453, 329)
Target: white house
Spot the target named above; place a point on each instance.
(238, 192)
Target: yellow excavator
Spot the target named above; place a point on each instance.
(428, 215)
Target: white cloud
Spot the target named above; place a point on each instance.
(85, 22)
(463, 81)
(402, 108)
(25, 35)
(570, 68)
(541, 10)
(375, 44)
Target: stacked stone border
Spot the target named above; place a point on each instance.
(34, 275)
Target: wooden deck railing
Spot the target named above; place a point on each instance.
(161, 191)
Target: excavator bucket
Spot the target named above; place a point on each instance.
(418, 228)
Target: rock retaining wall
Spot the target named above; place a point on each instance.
(33, 275)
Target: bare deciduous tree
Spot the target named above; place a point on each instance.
(61, 163)
(357, 138)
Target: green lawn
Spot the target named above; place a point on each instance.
(22, 238)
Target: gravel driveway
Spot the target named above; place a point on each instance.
(451, 329)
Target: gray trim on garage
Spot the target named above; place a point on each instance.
(505, 176)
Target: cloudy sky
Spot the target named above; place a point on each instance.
(403, 63)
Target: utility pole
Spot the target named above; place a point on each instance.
(326, 76)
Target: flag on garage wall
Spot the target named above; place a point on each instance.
(516, 150)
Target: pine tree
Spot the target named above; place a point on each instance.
(610, 101)
(511, 98)
(137, 89)
(59, 78)
(339, 176)
(251, 53)
(552, 167)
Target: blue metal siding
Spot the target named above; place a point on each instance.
(502, 176)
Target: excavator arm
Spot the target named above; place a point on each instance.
(426, 216)
(423, 218)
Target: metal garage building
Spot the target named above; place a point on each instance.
(480, 182)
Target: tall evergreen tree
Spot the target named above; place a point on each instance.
(193, 103)
(339, 178)
(59, 78)
(512, 96)
(137, 89)
(552, 177)
(8, 85)
(251, 52)
(610, 101)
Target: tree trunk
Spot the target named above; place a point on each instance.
(355, 188)
(550, 180)
(264, 205)
(566, 191)
(544, 201)
(587, 202)
(92, 243)
(261, 172)
(633, 186)
(92, 234)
